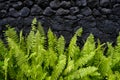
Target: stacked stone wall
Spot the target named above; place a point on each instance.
(64, 17)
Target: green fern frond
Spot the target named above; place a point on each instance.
(69, 68)
(16, 52)
(59, 67)
(52, 40)
(84, 59)
(61, 45)
(3, 50)
(73, 49)
(11, 33)
(89, 45)
(30, 40)
(79, 32)
(6, 67)
(81, 73)
(40, 29)
(104, 67)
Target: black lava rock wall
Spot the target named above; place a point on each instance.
(64, 17)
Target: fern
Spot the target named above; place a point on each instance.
(59, 67)
(51, 40)
(89, 45)
(40, 56)
(11, 33)
(61, 45)
(81, 73)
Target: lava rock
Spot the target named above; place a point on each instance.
(2, 5)
(10, 21)
(67, 35)
(81, 2)
(2, 0)
(36, 10)
(107, 26)
(86, 11)
(70, 17)
(93, 3)
(48, 11)
(62, 11)
(106, 11)
(13, 13)
(113, 18)
(65, 4)
(96, 12)
(116, 9)
(104, 3)
(87, 24)
(79, 16)
(3, 13)
(74, 10)
(18, 5)
(55, 4)
(24, 12)
(43, 3)
(13, 0)
(28, 3)
(28, 21)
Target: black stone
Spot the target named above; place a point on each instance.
(105, 3)
(86, 11)
(3, 13)
(2, 5)
(70, 17)
(79, 16)
(65, 4)
(106, 11)
(2, 0)
(28, 3)
(13, 13)
(24, 12)
(116, 9)
(107, 26)
(36, 10)
(81, 2)
(96, 12)
(55, 4)
(93, 3)
(28, 21)
(62, 11)
(42, 3)
(48, 11)
(18, 5)
(74, 10)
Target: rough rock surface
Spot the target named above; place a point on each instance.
(100, 17)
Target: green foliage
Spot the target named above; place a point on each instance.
(28, 57)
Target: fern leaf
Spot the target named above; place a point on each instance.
(61, 45)
(104, 67)
(81, 73)
(84, 59)
(40, 29)
(51, 39)
(73, 49)
(70, 67)
(78, 32)
(3, 50)
(18, 53)
(89, 45)
(6, 67)
(11, 33)
(59, 67)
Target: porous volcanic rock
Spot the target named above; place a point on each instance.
(64, 17)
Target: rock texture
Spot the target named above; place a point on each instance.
(100, 17)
